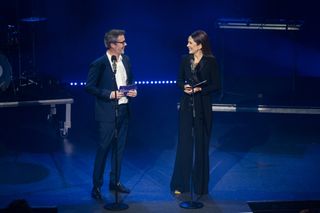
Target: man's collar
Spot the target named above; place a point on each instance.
(109, 56)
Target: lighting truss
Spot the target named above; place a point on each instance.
(249, 24)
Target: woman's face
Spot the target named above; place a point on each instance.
(193, 46)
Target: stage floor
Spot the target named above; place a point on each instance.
(253, 157)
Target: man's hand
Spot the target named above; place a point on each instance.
(119, 94)
(132, 93)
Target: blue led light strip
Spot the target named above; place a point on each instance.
(75, 83)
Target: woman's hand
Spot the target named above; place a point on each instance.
(188, 89)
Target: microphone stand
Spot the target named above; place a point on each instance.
(192, 204)
(116, 206)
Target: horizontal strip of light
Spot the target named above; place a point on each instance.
(75, 83)
(258, 25)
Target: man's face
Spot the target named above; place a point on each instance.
(118, 47)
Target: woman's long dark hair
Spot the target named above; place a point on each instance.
(201, 37)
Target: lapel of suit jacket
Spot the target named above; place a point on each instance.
(203, 63)
(108, 68)
(107, 63)
(125, 63)
(126, 66)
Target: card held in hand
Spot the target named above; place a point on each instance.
(127, 88)
(199, 84)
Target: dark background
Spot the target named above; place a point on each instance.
(273, 67)
(254, 156)
(72, 36)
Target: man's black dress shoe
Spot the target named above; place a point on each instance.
(96, 193)
(119, 188)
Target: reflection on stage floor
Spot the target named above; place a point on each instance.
(253, 157)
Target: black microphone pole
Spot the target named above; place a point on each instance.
(192, 204)
(116, 206)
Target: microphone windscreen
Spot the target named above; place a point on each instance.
(113, 58)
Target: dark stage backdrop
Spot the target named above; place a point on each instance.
(71, 36)
(259, 61)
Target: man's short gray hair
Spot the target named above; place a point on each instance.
(112, 36)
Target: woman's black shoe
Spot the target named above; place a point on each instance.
(119, 188)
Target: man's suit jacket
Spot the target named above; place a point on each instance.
(101, 83)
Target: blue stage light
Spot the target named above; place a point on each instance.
(83, 83)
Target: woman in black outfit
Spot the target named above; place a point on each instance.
(200, 65)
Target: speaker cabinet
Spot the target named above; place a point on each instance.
(307, 206)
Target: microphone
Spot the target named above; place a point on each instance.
(114, 65)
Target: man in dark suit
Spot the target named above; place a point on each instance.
(105, 76)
